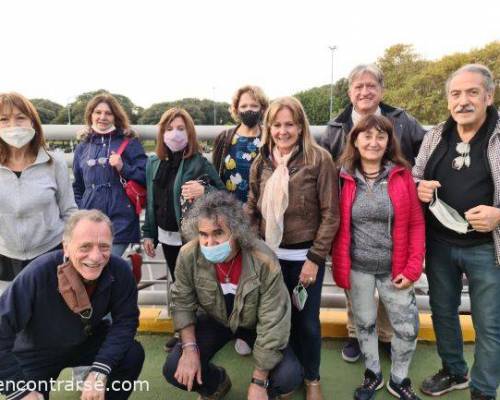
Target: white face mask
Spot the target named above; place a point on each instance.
(448, 216)
(17, 136)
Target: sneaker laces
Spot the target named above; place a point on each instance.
(407, 389)
(370, 383)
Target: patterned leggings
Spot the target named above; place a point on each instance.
(402, 311)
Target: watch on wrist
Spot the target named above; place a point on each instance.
(263, 383)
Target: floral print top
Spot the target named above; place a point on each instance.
(241, 154)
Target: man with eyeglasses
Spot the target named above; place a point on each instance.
(458, 169)
(366, 88)
(51, 318)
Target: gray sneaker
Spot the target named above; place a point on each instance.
(443, 382)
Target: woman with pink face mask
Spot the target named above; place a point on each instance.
(35, 196)
(175, 176)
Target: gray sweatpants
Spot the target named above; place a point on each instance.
(402, 311)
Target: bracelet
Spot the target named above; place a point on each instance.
(189, 344)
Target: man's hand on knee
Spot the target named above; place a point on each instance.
(189, 368)
(94, 387)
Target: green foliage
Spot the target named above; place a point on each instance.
(47, 109)
(419, 86)
(202, 111)
(77, 108)
(316, 101)
(411, 82)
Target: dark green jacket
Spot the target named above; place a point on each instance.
(261, 301)
(189, 169)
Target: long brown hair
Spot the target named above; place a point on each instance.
(351, 159)
(9, 101)
(121, 118)
(166, 119)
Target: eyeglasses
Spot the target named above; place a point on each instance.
(464, 158)
(92, 162)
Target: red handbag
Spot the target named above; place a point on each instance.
(136, 193)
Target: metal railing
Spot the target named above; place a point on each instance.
(332, 296)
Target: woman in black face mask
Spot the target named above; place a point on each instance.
(236, 148)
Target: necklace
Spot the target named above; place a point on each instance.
(227, 273)
(370, 175)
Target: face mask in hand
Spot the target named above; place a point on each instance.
(448, 216)
(299, 296)
(17, 136)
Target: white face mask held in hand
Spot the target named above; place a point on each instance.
(17, 136)
(448, 216)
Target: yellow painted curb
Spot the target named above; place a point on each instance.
(333, 324)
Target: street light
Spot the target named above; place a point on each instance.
(69, 110)
(215, 110)
(332, 49)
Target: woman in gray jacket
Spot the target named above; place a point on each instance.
(36, 196)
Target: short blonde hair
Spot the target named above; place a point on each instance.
(256, 92)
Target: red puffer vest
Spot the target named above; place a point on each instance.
(408, 230)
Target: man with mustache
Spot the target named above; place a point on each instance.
(459, 167)
(51, 317)
(366, 87)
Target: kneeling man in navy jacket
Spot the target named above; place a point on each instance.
(51, 317)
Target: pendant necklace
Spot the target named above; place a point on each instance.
(227, 273)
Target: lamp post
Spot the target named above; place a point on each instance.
(215, 110)
(69, 110)
(332, 49)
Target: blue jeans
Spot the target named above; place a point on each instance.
(444, 267)
(305, 334)
(119, 248)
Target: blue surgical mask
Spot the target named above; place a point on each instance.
(218, 253)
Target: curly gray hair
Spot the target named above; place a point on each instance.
(222, 207)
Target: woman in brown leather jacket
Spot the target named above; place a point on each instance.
(293, 202)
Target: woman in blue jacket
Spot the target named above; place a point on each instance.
(97, 168)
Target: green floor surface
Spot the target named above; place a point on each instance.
(338, 377)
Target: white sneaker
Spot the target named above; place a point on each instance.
(242, 347)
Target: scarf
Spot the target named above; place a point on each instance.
(275, 199)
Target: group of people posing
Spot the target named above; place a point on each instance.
(246, 239)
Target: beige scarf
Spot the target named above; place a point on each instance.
(275, 199)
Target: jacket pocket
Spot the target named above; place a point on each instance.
(206, 291)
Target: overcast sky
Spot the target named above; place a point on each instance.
(159, 50)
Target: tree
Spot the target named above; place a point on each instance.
(422, 92)
(77, 108)
(316, 101)
(47, 109)
(202, 111)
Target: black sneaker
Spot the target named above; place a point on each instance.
(170, 344)
(222, 389)
(371, 384)
(479, 396)
(351, 351)
(443, 382)
(402, 390)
